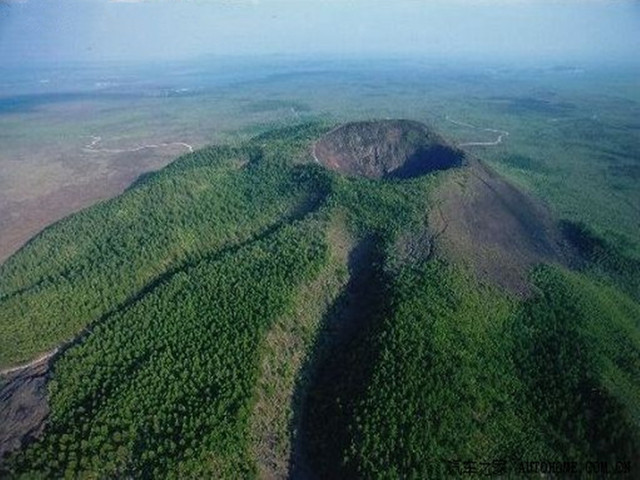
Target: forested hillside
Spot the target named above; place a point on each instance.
(453, 372)
(165, 300)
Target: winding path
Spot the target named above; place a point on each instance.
(95, 140)
(313, 152)
(33, 363)
(501, 134)
(313, 149)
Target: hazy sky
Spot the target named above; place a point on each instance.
(63, 30)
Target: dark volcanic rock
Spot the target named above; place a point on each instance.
(23, 406)
(386, 149)
(500, 231)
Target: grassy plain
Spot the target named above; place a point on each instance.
(573, 132)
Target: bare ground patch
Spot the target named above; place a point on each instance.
(23, 405)
(29, 207)
(385, 149)
(488, 224)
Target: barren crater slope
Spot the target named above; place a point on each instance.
(480, 219)
(497, 229)
(386, 149)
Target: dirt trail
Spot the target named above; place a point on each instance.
(313, 149)
(501, 134)
(32, 363)
(95, 140)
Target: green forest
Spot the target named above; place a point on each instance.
(161, 300)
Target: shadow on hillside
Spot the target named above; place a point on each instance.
(427, 160)
(338, 370)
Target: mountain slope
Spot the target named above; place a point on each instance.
(396, 320)
(497, 230)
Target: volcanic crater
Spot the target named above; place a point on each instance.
(386, 149)
(478, 217)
